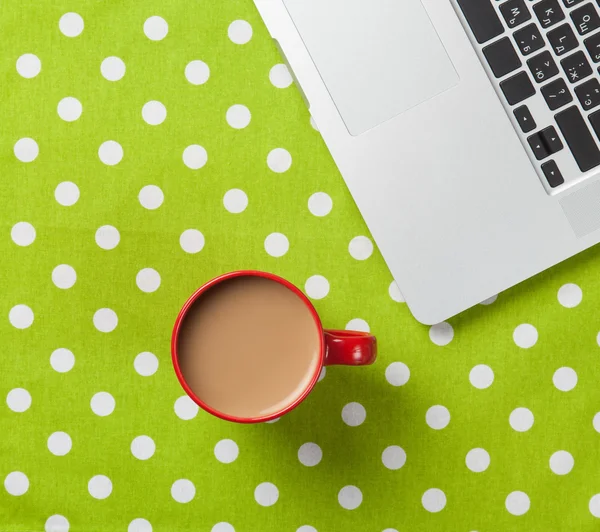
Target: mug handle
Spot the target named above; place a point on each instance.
(349, 348)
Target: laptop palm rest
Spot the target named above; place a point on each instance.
(377, 58)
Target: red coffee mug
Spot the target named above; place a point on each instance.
(346, 348)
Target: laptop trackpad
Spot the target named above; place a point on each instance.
(377, 58)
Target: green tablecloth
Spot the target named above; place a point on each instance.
(141, 156)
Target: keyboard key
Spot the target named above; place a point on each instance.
(542, 67)
(595, 121)
(589, 94)
(576, 67)
(551, 140)
(579, 139)
(552, 173)
(538, 147)
(515, 13)
(517, 88)
(593, 47)
(502, 57)
(586, 19)
(548, 12)
(557, 94)
(571, 3)
(562, 39)
(529, 39)
(525, 119)
(482, 19)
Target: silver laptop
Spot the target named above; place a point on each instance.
(466, 130)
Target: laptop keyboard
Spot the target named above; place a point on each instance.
(543, 56)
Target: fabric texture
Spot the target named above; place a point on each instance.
(146, 147)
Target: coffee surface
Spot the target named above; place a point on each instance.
(248, 347)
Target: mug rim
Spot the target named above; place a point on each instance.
(190, 302)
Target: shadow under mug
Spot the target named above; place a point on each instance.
(337, 347)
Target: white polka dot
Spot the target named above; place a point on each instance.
(26, 150)
(395, 293)
(594, 505)
(393, 457)
(478, 460)
(107, 237)
(266, 494)
(481, 376)
(22, 234)
(226, 451)
(64, 276)
(146, 364)
(56, 523)
(240, 32)
(103, 404)
(156, 28)
(354, 414)
(151, 197)
(570, 295)
(183, 490)
(69, 109)
(195, 157)
(565, 379)
(154, 113)
(280, 76)
(596, 422)
(191, 241)
(390, 530)
(434, 500)
(562, 462)
(521, 419)
(20, 316)
(358, 324)
(62, 360)
(29, 66)
(397, 374)
(105, 320)
(100, 487)
(110, 152)
(139, 525)
(222, 527)
(235, 201)
(310, 454)
(112, 68)
(197, 72)
(306, 528)
(320, 204)
(71, 24)
(441, 334)
(322, 374)
(238, 116)
(148, 280)
(489, 300)
(277, 245)
(143, 447)
(16, 483)
(598, 339)
(437, 417)
(66, 193)
(360, 248)
(350, 497)
(279, 160)
(18, 400)
(316, 287)
(185, 408)
(525, 335)
(59, 443)
(517, 503)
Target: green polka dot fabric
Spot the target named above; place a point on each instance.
(147, 147)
